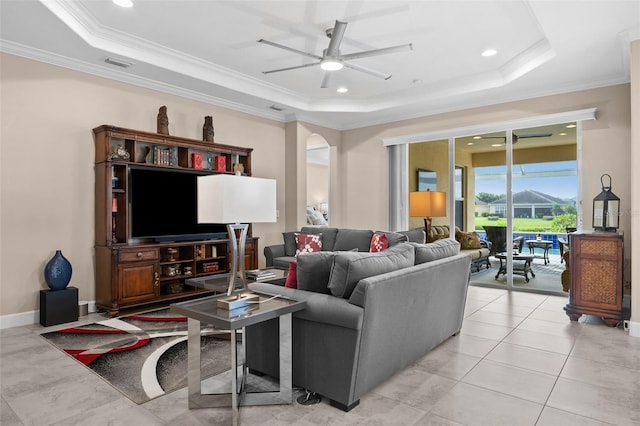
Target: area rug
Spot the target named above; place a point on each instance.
(144, 356)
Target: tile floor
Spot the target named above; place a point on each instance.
(517, 361)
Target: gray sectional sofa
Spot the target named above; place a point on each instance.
(368, 316)
(333, 239)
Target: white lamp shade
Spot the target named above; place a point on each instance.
(236, 199)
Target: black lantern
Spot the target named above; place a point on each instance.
(606, 208)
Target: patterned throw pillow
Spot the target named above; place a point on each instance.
(439, 237)
(379, 242)
(308, 243)
(468, 240)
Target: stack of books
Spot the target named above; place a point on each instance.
(260, 274)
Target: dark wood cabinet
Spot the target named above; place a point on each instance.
(134, 272)
(596, 276)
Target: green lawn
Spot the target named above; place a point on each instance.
(519, 224)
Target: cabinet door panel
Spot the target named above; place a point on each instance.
(137, 281)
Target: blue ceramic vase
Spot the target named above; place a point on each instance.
(57, 273)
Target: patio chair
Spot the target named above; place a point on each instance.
(497, 235)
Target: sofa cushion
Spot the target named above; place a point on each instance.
(439, 237)
(394, 237)
(468, 240)
(350, 267)
(476, 253)
(313, 271)
(289, 243)
(436, 250)
(328, 236)
(282, 262)
(348, 239)
(415, 235)
(379, 242)
(308, 243)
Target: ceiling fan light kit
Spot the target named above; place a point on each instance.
(329, 64)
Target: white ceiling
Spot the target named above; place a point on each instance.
(208, 50)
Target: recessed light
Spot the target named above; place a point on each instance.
(469, 143)
(563, 134)
(570, 126)
(489, 52)
(123, 3)
(477, 137)
(342, 90)
(496, 144)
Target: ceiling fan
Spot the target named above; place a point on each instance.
(333, 60)
(515, 137)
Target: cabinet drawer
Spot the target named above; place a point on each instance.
(137, 255)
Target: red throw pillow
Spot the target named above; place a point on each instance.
(292, 275)
(379, 242)
(308, 243)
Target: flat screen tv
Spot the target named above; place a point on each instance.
(163, 206)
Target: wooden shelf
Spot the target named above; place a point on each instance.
(130, 273)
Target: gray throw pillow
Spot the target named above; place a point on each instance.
(415, 236)
(437, 250)
(350, 267)
(348, 239)
(313, 271)
(289, 243)
(328, 236)
(394, 237)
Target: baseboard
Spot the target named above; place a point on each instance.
(634, 329)
(30, 317)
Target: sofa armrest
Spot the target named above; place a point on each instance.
(271, 252)
(321, 308)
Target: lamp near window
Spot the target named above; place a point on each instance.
(237, 201)
(427, 204)
(606, 208)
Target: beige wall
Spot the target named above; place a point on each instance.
(634, 329)
(46, 161)
(317, 184)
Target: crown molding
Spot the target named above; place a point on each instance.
(114, 74)
(525, 122)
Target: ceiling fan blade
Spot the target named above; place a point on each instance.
(291, 68)
(336, 38)
(375, 73)
(376, 52)
(325, 80)
(538, 135)
(290, 49)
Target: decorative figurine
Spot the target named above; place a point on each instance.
(238, 168)
(207, 129)
(163, 121)
(120, 153)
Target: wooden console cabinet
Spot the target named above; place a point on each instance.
(596, 276)
(133, 272)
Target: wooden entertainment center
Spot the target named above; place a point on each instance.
(134, 272)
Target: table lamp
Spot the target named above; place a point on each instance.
(236, 201)
(427, 204)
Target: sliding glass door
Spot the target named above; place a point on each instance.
(524, 189)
